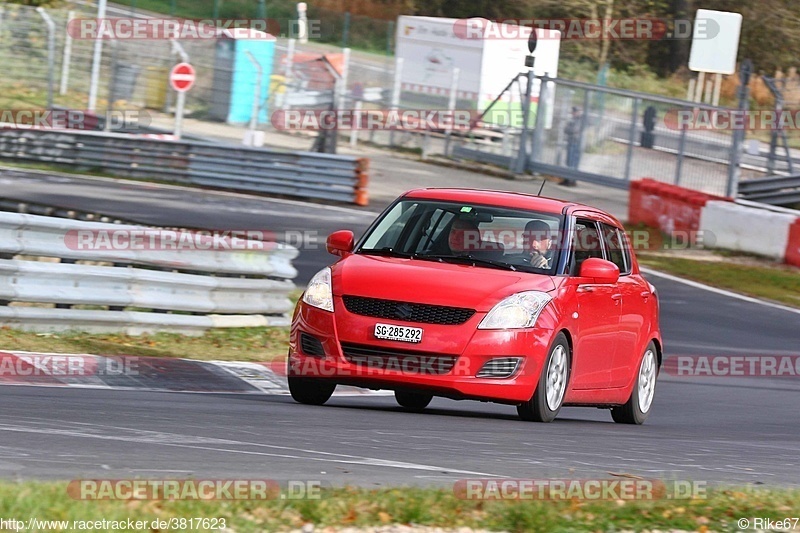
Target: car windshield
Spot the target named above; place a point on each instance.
(483, 236)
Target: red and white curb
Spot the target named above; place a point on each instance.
(150, 373)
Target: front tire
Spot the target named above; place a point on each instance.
(548, 398)
(310, 391)
(413, 401)
(638, 407)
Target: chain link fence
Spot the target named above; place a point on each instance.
(593, 133)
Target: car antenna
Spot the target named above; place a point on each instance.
(542, 187)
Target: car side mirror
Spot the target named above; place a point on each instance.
(599, 271)
(340, 242)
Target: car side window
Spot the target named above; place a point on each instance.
(615, 248)
(586, 243)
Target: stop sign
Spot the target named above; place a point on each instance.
(182, 77)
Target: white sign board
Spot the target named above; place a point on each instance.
(487, 54)
(715, 41)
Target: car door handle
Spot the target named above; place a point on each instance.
(585, 288)
(645, 295)
(616, 297)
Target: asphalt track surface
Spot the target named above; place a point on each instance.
(718, 430)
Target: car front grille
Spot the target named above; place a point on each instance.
(401, 360)
(409, 312)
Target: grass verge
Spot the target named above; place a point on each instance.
(777, 283)
(351, 507)
(234, 344)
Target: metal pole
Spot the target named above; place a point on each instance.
(398, 77)
(631, 138)
(732, 187)
(215, 14)
(51, 54)
(717, 89)
(346, 30)
(67, 57)
(112, 90)
(356, 125)
(179, 114)
(389, 37)
(523, 139)
(698, 88)
(541, 117)
(451, 107)
(681, 151)
(181, 104)
(96, 58)
(345, 73)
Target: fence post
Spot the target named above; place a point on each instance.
(67, 57)
(345, 73)
(541, 116)
(451, 107)
(681, 150)
(398, 75)
(51, 54)
(97, 56)
(731, 188)
(526, 113)
(631, 138)
(112, 89)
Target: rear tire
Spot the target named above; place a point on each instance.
(548, 398)
(413, 401)
(638, 407)
(310, 391)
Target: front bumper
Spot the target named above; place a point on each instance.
(470, 347)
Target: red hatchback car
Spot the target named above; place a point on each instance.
(482, 295)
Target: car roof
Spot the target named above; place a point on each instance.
(499, 199)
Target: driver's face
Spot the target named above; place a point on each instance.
(536, 241)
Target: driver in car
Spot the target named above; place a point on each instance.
(536, 244)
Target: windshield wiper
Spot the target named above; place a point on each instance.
(387, 251)
(468, 258)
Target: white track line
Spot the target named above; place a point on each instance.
(723, 292)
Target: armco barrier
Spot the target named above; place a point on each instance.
(223, 166)
(185, 288)
(665, 206)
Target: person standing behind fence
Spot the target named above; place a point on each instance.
(573, 133)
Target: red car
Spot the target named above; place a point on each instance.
(482, 295)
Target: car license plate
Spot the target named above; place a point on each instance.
(398, 333)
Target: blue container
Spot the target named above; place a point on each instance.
(235, 75)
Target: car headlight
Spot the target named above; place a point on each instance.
(319, 293)
(516, 311)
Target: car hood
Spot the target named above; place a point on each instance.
(416, 280)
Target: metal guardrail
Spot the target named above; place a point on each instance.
(224, 166)
(159, 286)
(774, 190)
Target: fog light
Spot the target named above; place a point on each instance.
(499, 367)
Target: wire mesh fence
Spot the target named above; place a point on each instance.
(590, 132)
